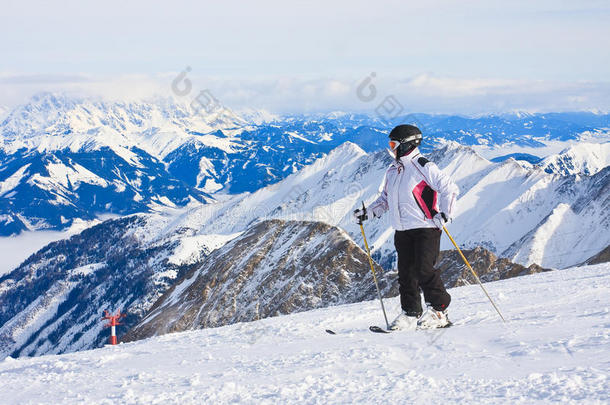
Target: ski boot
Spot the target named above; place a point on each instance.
(405, 321)
(432, 319)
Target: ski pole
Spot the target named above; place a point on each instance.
(473, 273)
(366, 245)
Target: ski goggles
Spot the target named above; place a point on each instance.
(394, 145)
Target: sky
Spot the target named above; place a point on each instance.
(435, 56)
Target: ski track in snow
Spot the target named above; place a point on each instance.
(554, 349)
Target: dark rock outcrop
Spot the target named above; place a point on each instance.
(488, 267)
(601, 257)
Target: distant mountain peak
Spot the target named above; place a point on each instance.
(580, 158)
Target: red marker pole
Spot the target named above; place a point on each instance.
(113, 335)
(113, 322)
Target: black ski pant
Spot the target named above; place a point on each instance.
(417, 253)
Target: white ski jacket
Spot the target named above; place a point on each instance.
(414, 190)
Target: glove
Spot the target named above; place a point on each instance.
(360, 216)
(440, 219)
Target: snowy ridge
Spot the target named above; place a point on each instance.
(556, 352)
(501, 203)
(72, 186)
(304, 195)
(55, 121)
(575, 229)
(582, 158)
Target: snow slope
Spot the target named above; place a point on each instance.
(581, 158)
(556, 352)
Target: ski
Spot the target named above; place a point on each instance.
(377, 329)
(373, 328)
(450, 324)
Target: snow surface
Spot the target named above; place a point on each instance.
(555, 348)
(190, 247)
(13, 180)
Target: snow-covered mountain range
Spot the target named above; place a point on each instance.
(64, 159)
(52, 302)
(200, 180)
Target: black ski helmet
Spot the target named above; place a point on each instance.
(409, 137)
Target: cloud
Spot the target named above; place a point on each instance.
(18, 88)
(436, 56)
(42, 79)
(455, 87)
(425, 92)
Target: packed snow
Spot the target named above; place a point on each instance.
(554, 348)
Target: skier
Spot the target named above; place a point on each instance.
(411, 190)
